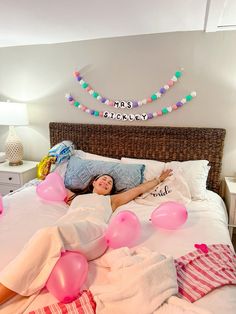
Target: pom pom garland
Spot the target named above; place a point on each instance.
(126, 104)
(193, 94)
(131, 117)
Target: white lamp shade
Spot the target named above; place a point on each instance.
(13, 113)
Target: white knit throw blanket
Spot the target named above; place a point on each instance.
(139, 281)
(176, 305)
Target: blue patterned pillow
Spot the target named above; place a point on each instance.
(80, 171)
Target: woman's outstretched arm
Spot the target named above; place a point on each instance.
(127, 196)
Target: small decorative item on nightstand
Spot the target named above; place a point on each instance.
(12, 178)
(230, 198)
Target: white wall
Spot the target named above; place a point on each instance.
(124, 68)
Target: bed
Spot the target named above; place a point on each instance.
(207, 222)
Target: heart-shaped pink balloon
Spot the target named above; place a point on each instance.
(52, 188)
(68, 276)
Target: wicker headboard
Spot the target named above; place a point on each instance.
(149, 142)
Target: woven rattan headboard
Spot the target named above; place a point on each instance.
(149, 142)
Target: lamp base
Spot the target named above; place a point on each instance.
(13, 148)
(18, 163)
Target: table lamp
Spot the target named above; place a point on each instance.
(13, 114)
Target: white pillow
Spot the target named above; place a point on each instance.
(195, 173)
(174, 188)
(84, 155)
(153, 168)
(61, 168)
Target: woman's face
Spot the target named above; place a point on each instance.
(103, 185)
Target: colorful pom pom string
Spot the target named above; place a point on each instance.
(127, 104)
(131, 117)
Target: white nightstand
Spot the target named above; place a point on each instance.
(230, 198)
(13, 177)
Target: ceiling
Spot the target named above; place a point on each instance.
(30, 22)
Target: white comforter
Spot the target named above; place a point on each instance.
(207, 223)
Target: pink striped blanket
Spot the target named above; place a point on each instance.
(199, 272)
(85, 304)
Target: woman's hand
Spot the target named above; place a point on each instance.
(165, 174)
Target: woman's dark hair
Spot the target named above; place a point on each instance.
(89, 188)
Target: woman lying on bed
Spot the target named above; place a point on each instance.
(81, 229)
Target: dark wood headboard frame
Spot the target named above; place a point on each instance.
(147, 142)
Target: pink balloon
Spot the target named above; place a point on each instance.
(169, 215)
(52, 188)
(123, 230)
(68, 276)
(1, 204)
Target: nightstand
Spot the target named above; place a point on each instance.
(13, 177)
(230, 198)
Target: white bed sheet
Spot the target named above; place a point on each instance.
(207, 223)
